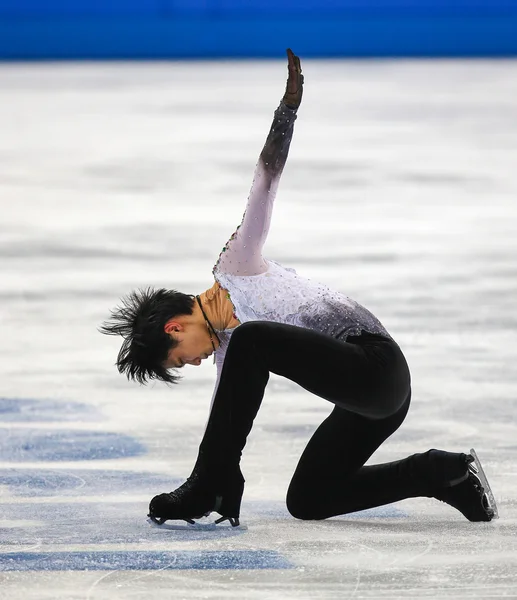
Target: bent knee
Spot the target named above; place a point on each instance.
(300, 506)
(389, 406)
(301, 511)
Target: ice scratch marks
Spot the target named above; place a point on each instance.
(128, 583)
(80, 480)
(90, 591)
(382, 561)
(415, 557)
(33, 483)
(96, 521)
(114, 561)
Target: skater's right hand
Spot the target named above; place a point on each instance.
(294, 87)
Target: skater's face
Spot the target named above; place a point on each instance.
(194, 341)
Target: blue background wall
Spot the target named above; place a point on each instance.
(71, 29)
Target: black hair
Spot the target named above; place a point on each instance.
(140, 320)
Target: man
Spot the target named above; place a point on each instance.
(261, 317)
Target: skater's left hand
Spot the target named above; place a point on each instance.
(294, 88)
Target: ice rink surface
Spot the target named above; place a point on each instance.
(400, 191)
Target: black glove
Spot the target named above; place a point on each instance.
(294, 88)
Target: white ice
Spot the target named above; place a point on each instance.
(400, 191)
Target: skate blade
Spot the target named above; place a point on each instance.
(175, 525)
(477, 469)
(162, 523)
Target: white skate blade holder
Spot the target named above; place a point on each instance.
(477, 469)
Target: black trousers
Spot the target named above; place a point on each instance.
(367, 379)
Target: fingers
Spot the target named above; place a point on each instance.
(294, 87)
(293, 61)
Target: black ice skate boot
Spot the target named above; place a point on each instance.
(202, 493)
(471, 495)
(425, 473)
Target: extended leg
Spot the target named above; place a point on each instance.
(330, 478)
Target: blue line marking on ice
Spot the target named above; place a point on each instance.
(29, 410)
(30, 483)
(139, 561)
(21, 445)
(101, 521)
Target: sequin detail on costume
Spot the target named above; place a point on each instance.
(264, 290)
(282, 296)
(225, 248)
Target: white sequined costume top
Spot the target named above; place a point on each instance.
(264, 290)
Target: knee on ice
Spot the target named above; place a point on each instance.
(300, 506)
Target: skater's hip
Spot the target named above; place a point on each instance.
(389, 379)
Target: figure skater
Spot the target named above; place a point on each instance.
(260, 317)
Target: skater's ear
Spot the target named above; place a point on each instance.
(172, 326)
